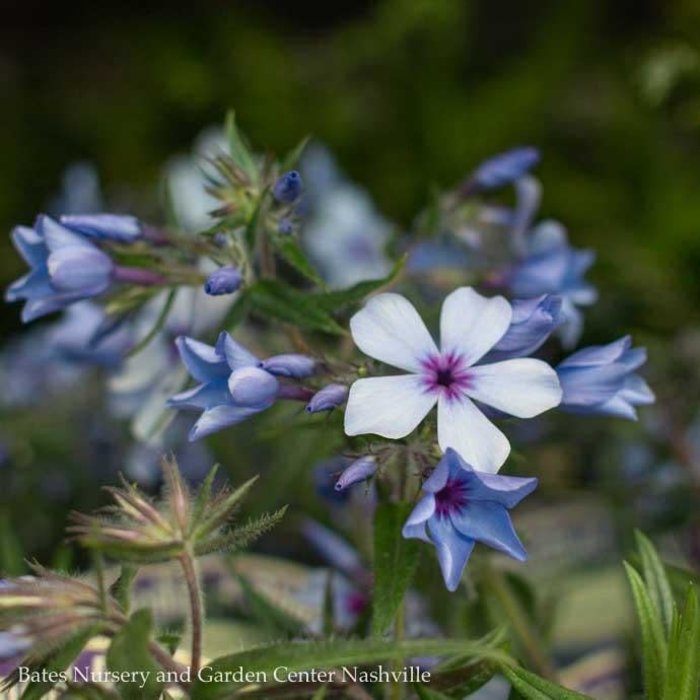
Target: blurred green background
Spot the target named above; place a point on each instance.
(410, 94)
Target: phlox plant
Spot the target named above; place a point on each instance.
(420, 359)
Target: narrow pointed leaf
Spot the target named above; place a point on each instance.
(395, 561)
(534, 687)
(654, 648)
(656, 580)
(683, 667)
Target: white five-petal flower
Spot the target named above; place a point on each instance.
(389, 329)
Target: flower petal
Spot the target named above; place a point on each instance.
(453, 550)
(424, 509)
(30, 244)
(490, 523)
(508, 491)
(219, 417)
(470, 324)
(588, 386)
(202, 397)
(523, 387)
(462, 426)
(79, 269)
(236, 355)
(201, 360)
(388, 406)
(58, 237)
(389, 329)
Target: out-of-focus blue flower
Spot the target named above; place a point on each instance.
(601, 380)
(462, 506)
(285, 226)
(343, 232)
(504, 168)
(232, 385)
(532, 323)
(106, 227)
(287, 189)
(552, 266)
(360, 470)
(66, 268)
(80, 191)
(292, 365)
(225, 280)
(78, 338)
(328, 398)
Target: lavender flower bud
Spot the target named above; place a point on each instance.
(328, 398)
(106, 227)
(287, 188)
(360, 470)
(225, 280)
(252, 387)
(285, 227)
(291, 365)
(505, 168)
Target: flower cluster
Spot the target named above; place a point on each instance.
(157, 296)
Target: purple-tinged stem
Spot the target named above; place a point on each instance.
(296, 393)
(139, 276)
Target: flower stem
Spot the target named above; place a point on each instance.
(138, 275)
(196, 608)
(527, 635)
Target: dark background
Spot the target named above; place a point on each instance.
(409, 94)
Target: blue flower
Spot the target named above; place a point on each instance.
(504, 168)
(551, 266)
(532, 323)
(82, 337)
(225, 280)
(288, 187)
(232, 385)
(285, 227)
(105, 227)
(462, 506)
(66, 268)
(601, 380)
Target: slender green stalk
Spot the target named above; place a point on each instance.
(196, 608)
(528, 636)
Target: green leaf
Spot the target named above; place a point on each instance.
(395, 561)
(654, 648)
(425, 692)
(57, 661)
(277, 621)
(277, 300)
(300, 656)
(240, 153)
(534, 687)
(292, 158)
(683, 667)
(463, 680)
(332, 301)
(129, 652)
(656, 580)
(238, 311)
(288, 247)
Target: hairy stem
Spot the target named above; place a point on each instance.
(196, 608)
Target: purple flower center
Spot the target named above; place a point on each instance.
(451, 498)
(446, 374)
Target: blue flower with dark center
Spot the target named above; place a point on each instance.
(65, 268)
(460, 507)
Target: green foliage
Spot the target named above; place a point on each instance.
(671, 662)
(239, 151)
(299, 656)
(533, 687)
(129, 652)
(395, 562)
